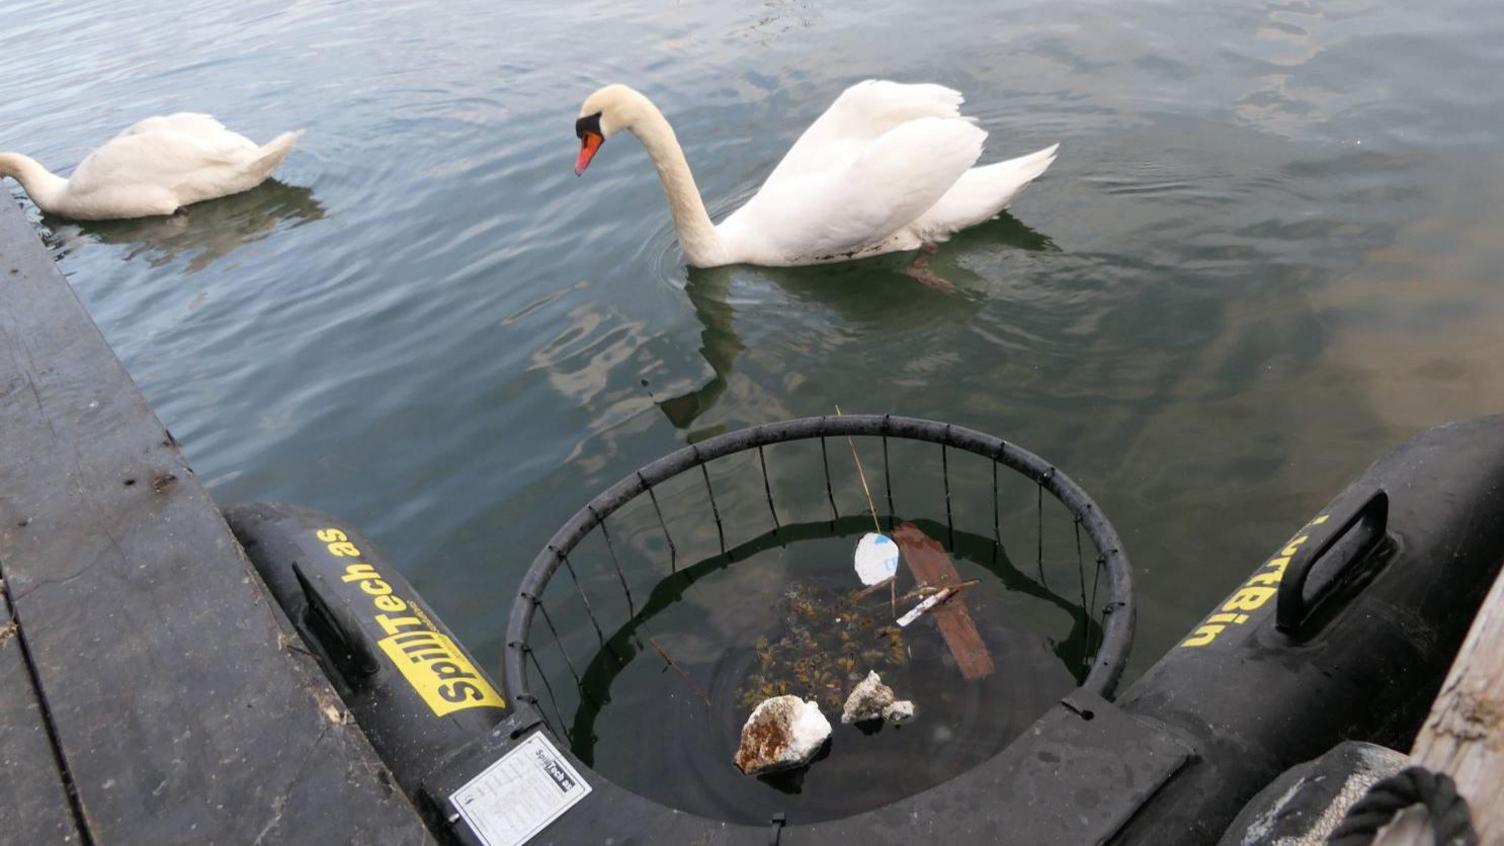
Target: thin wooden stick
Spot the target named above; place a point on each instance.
(872, 509)
(946, 593)
(680, 670)
(873, 588)
(922, 590)
(926, 590)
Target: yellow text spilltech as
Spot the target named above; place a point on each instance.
(428, 659)
(1253, 595)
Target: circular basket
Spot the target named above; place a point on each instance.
(1115, 631)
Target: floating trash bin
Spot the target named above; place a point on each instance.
(660, 615)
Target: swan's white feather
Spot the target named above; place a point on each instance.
(889, 166)
(191, 123)
(841, 213)
(163, 163)
(859, 116)
(981, 194)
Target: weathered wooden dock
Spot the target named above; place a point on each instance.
(1464, 734)
(148, 693)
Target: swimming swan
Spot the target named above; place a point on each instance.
(888, 167)
(153, 168)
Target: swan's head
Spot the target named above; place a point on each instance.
(605, 113)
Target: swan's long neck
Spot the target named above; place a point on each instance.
(697, 235)
(43, 186)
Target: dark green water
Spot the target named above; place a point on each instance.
(1271, 248)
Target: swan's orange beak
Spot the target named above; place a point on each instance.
(589, 143)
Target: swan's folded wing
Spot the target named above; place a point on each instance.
(190, 123)
(192, 134)
(981, 194)
(858, 117)
(163, 158)
(897, 177)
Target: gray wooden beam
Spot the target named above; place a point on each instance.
(35, 801)
(181, 713)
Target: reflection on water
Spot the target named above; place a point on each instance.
(200, 234)
(883, 293)
(708, 292)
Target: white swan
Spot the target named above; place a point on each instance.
(888, 167)
(153, 168)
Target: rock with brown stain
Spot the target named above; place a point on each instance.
(783, 732)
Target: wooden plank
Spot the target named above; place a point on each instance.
(1464, 735)
(34, 808)
(180, 713)
(932, 566)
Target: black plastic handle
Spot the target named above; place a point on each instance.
(1371, 518)
(331, 623)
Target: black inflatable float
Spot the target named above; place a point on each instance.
(411, 687)
(1344, 633)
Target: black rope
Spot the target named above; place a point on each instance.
(720, 532)
(767, 488)
(673, 551)
(589, 612)
(563, 726)
(558, 641)
(950, 526)
(1096, 577)
(888, 483)
(1451, 821)
(1085, 608)
(829, 493)
(997, 533)
(1039, 535)
(615, 562)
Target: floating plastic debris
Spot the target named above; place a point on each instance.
(876, 558)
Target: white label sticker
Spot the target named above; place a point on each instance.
(516, 797)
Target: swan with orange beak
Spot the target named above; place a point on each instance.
(588, 130)
(888, 167)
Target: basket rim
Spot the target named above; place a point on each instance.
(1118, 613)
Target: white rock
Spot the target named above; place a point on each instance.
(899, 712)
(868, 700)
(783, 732)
